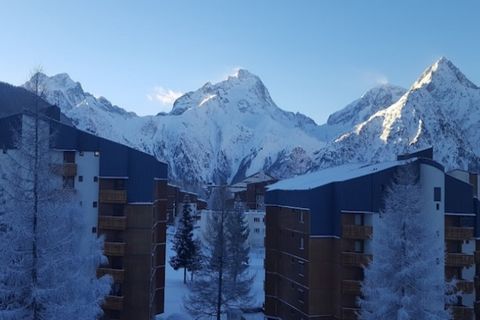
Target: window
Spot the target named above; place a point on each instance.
(256, 230)
(301, 244)
(94, 229)
(301, 268)
(69, 156)
(95, 204)
(256, 219)
(80, 178)
(5, 151)
(301, 295)
(358, 246)
(358, 219)
(96, 153)
(437, 194)
(438, 206)
(68, 183)
(80, 153)
(95, 179)
(81, 203)
(300, 217)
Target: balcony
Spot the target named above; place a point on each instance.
(112, 223)
(116, 249)
(352, 287)
(113, 303)
(65, 169)
(459, 260)
(465, 286)
(350, 313)
(113, 196)
(353, 259)
(118, 275)
(462, 313)
(357, 232)
(458, 233)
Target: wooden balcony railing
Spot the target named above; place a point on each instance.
(350, 313)
(116, 249)
(65, 169)
(458, 233)
(113, 196)
(113, 303)
(355, 259)
(351, 231)
(462, 313)
(352, 287)
(465, 286)
(459, 260)
(118, 275)
(112, 222)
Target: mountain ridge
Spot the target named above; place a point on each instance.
(227, 130)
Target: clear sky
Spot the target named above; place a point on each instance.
(314, 56)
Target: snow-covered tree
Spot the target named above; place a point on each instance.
(404, 280)
(197, 258)
(237, 268)
(48, 262)
(183, 243)
(207, 292)
(221, 284)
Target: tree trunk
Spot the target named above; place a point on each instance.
(184, 275)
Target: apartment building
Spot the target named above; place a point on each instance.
(250, 192)
(250, 195)
(177, 198)
(123, 194)
(319, 228)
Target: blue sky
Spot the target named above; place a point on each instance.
(313, 56)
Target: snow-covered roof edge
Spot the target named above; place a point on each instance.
(334, 174)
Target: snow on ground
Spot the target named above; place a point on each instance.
(175, 290)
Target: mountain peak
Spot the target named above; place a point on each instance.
(442, 72)
(242, 89)
(369, 103)
(243, 74)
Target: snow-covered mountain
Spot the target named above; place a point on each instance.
(220, 132)
(441, 109)
(360, 110)
(227, 130)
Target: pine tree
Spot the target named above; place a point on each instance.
(197, 258)
(183, 243)
(207, 292)
(237, 267)
(223, 282)
(46, 272)
(405, 278)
